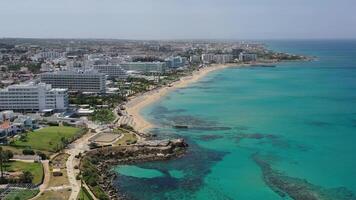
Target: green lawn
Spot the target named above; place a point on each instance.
(36, 169)
(127, 139)
(21, 194)
(48, 139)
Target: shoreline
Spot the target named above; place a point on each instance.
(108, 157)
(137, 103)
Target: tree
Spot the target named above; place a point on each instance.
(26, 177)
(23, 138)
(5, 156)
(28, 152)
(1, 163)
(42, 155)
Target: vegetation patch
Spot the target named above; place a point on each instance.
(91, 176)
(21, 194)
(57, 195)
(112, 100)
(35, 170)
(103, 116)
(84, 194)
(127, 139)
(50, 139)
(59, 162)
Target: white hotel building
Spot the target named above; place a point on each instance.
(144, 67)
(113, 71)
(90, 81)
(33, 97)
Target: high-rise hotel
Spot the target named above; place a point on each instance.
(90, 81)
(33, 97)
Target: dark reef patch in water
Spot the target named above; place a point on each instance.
(193, 123)
(296, 188)
(207, 81)
(210, 137)
(179, 91)
(190, 121)
(161, 110)
(195, 165)
(302, 147)
(160, 133)
(200, 87)
(274, 140)
(317, 123)
(257, 136)
(167, 97)
(207, 128)
(241, 128)
(354, 123)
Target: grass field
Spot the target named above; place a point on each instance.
(12, 149)
(127, 139)
(22, 194)
(55, 195)
(48, 139)
(36, 169)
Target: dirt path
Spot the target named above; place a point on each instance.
(78, 146)
(47, 175)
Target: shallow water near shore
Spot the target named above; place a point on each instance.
(294, 124)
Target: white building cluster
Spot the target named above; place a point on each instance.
(144, 67)
(112, 71)
(175, 62)
(49, 55)
(217, 58)
(33, 97)
(247, 57)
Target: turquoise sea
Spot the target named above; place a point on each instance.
(259, 133)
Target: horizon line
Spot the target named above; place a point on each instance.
(173, 39)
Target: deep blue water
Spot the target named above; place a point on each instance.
(299, 119)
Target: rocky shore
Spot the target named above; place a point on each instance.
(151, 150)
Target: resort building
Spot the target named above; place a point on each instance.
(217, 58)
(175, 62)
(195, 59)
(112, 71)
(77, 80)
(247, 57)
(33, 97)
(144, 67)
(223, 58)
(236, 52)
(49, 55)
(207, 58)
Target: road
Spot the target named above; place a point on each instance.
(78, 146)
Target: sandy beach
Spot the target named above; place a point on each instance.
(136, 103)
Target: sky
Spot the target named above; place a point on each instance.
(179, 19)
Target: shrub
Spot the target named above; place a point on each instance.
(28, 152)
(42, 155)
(26, 177)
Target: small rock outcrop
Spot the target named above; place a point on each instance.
(149, 150)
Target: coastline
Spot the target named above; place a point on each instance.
(137, 103)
